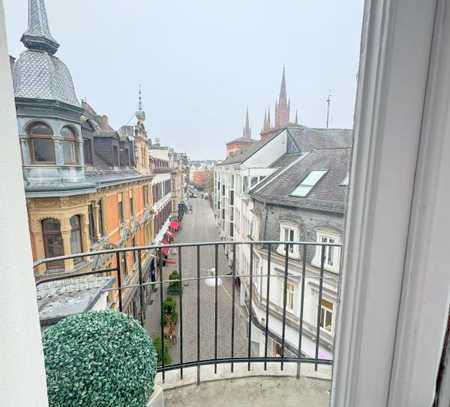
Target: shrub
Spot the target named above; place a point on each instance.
(175, 287)
(99, 359)
(170, 309)
(158, 346)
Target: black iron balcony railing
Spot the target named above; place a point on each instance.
(203, 312)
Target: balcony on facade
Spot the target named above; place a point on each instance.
(226, 326)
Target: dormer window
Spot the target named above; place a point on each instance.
(42, 148)
(70, 147)
(308, 184)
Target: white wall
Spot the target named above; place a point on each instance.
(22, 374)
(267, 155)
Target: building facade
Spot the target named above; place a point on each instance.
(88, 186)
(248, 206)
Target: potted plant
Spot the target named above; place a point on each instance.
(158, 347)
(170, 318)
(175, 287)
(100, 359)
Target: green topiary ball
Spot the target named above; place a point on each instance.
(99, 359)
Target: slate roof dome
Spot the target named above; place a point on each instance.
(38, 74)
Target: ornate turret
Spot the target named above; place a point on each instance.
(38, 74)
(38, 36)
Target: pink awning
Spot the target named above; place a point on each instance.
(165, 251)
(170, 234)
(174, 225)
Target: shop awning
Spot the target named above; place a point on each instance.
(174, 225)
(165, 251)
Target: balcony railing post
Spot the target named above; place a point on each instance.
(233, 300)
(216, 294)
(250, 308)
(322, 263)
(161, 304)
(198, 314)
(283, 332)
(302, 303)
(266, 331)
(180, 267)
(141, 288)
(119, 280)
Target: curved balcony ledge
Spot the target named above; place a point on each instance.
(243, 388)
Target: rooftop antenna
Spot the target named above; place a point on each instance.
(328, 110)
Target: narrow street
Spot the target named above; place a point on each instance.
(199, 226)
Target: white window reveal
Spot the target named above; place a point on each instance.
(308, 184)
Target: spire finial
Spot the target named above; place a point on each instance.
(296, 117)
(140, 114)
(38, 36)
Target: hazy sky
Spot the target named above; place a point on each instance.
(202, 62)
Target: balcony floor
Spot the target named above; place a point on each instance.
(252, 391)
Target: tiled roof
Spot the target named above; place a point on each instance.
(327, 195)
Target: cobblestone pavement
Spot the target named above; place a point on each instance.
(200, 227)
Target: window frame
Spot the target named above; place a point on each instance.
(77, 229)
(324, 236)
(72, 141)
(324, 311)
(289, 228)
(47, 233)
(32, 137)
(120, 208)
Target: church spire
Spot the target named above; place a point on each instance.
(247, 133)
(283, 93)
(282, 106)
(38, 36)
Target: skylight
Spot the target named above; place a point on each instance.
(308, 184)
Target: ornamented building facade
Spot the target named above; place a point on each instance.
(88, 186)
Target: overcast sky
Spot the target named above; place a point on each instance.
(202, 62)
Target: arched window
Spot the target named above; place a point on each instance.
(76, 245)
(53, 242)
(42, 148)
(70, 147)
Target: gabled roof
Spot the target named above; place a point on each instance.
(245, 153)
(301, 139)
(327, 195)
